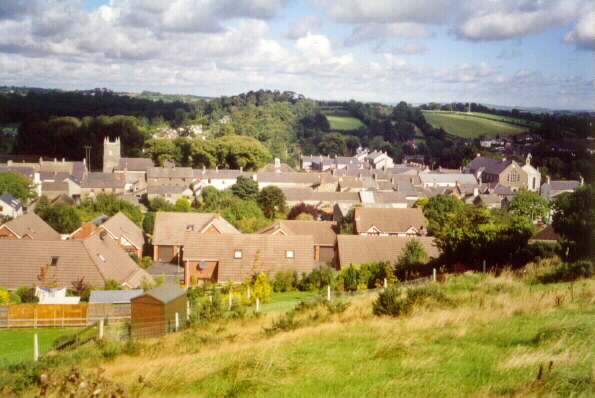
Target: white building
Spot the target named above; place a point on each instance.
(534, 176)
(10, 206)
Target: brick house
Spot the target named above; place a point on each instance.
(389, 222)
(28, 226)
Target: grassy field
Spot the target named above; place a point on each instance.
(493, 337)
(17, 344)
(343, 123)
(285, 301)
(471, 126)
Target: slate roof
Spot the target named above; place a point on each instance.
(356, 249)
(447, 178)
(388, 220)
(289, 178)
(322, 232)
(23, 170)
(103, 180)
(121, 226)
(482, 162)
(57, 186)
(222, 174)
(170, 226)
(166, 189)
(551, 189)
(93, 259)
(11, 201)
(114, 296)
(31, 224)
(165, 293)
(307, 194)
(260, 253)
(134, 164)
(170, 172)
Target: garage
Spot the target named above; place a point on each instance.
(165, 253)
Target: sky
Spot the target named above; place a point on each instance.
(504, 52)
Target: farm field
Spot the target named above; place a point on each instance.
(470, 126)
(481, 336)
(343, 123)
(17, 344)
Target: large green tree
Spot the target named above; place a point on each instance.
(271, 200)
(60, 216)
(245, 188)
(530, 205)
(574, 219)
(439, 209)
(17, 185)
(333, 144)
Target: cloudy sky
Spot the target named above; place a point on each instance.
(508, 52)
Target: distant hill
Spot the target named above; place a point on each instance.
(473, 125)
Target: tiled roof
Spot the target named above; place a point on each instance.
(448, 178)
(134, 164)
(260, 253)
(103, 180)
(11, 201)
(93, 259)
(165, 189)
(388, 220)
(547, 233)
(114, 296)
(170, 172)
(323, 232)
(170, 226)
(166, 293)
(121, 226)
(31, 224)
(356, 249)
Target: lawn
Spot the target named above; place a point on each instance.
(285, 301)
(17, 344)
(471, 126)
(344, 123)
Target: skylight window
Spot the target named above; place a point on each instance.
(54, 261)
(100, 256)
(190, 227)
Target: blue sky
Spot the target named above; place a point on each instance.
(506, 52)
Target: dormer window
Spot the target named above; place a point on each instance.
(54, 261)
(238, 254)
(190, 227)
(289, 254)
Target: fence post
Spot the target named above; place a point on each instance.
(187, 310)
(328, 292)
(434, 274)
(101, 329)
(249, 293)
(385, 283)
(177, 321)
(35, 316)
(230, 300)
(257, 304)
(35, 347)
(484, 266)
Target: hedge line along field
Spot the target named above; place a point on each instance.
(473, 336)
(470, 126)
(344, 123)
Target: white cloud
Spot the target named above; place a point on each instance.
(380, 32)
(583, 35)
(410, 47)
(303, 26)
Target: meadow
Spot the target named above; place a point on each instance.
(483, 336)
(344, 123)
(17, 344)
(473, 126)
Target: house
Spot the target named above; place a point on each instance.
(128, 235)
(97, 259)
(183, 176)
(96, 183)
(547, 235)
(156, 312)
(442, 180)
(295, 196)
(10, 206)
(324, 235)
(379, 160)
(169, 229)
(554, 188)
(28, 226)
(389, 222)
(287, 180)
(533, 175)
(170, 193)
(220, 179)
(134, 171)
(357, 249)
(506, 172)
(235, 257)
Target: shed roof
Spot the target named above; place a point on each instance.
(165, 293)
(114, 296)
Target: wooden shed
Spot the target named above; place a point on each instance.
(154, 313)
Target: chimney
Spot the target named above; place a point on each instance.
(204, 169)
(475, 192)
(216, 169)
(478, 155)
(528, 159)
(411, 180)
(548, 179)
(63, 160)
(55, 161)
(392, 180)
(582, 180)
(241, 169)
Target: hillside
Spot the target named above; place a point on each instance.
(474, 125)
(340, 119)
(474, 336)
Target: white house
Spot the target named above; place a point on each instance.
(534, 176)
(10, 206)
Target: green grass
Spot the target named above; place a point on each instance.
(281, 302)
(17, 344)
(472, 126)
(344, 123)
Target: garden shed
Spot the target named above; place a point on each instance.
(111, 304)
(154, 313)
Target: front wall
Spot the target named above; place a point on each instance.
(522, 181)
(327, 254)
(193, 273)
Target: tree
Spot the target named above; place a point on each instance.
(159, 203)
(574, 219)
(303, 209)
(17, 185)
(271, 200)
(262, 288)
(149, 223)
(245, 188)
(183, 205)
(333, 144)
(60, 216)
(412, 255)
(530, 205)
(438, 209)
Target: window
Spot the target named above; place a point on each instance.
(202, 265)
(54, 261)
(289, 254)
(237, 254)
(190, 227)
(100, 256)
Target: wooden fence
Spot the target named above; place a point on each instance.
(60, 315)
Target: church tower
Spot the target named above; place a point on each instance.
(111, 154)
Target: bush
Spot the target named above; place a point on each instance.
(4, 296)
(567, 272)
(285, 281)
(27, 294)
(392, 301)
(318, 279)
(420, 294)
(146, 262)
(262, 288)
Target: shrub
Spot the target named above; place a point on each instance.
(262, 288)
(27, 294)
(146, 262)
(318, 279)
(208, 310)
(285, 281)
(420, 294)
(348, 278)
(4, 296)
(391, 301)
(567, 272)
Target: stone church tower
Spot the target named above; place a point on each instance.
(111, 154)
